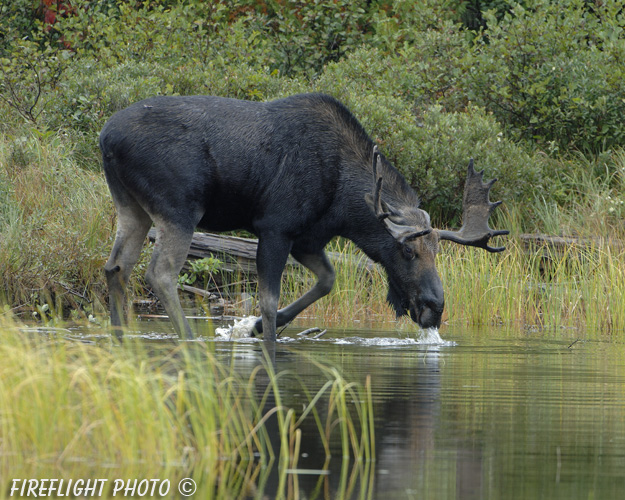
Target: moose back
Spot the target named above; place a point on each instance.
(295, 172)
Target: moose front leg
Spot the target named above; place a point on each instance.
(271, 257)
(319, 264)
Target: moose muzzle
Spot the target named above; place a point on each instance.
(427, 309)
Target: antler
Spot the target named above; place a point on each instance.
(384, 212)
(476, 209)
(380, 213)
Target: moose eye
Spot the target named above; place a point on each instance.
(408, 252)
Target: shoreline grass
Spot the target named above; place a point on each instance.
(580, 286)
(160, 410)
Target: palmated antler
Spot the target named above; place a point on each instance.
(476, 209)
(385, 213)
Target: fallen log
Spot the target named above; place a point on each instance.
(237, 254)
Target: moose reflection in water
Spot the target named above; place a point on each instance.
(296, 172)
(407, 399)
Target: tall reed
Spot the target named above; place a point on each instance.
(580, 286)
(158, 410)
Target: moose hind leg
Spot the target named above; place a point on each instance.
(319, 264)
(132, 227)
(170, 252)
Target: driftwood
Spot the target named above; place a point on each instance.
(237, 254)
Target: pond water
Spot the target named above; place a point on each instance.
(482, 413)
(489, 413)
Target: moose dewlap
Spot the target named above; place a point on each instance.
(296, 172)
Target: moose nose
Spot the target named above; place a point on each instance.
(431, 312)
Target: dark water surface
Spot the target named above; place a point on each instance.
(488, 413)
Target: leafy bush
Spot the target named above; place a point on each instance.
(200, 271)
(472, 12)
(90, 94)
(424, 73)
(555, 73)
(18, 21)
(307, 35)
(30, 73)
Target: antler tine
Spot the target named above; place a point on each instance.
(476, 210)
(384, 212)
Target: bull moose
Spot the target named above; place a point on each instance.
(295, 172)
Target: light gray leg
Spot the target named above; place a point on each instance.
(170, 252)
(132, 227)
(319, 264)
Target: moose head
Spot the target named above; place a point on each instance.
(414, 285)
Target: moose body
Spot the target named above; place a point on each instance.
(295, 172)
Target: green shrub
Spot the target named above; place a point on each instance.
(307, 35)
(555, 73)
(424, 73)
(29, 75)
(18, 21)
(90, 94)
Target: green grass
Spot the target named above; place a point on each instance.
(164, 411)
(56, 224)
(580, 286)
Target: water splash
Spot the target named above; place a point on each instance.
(432, 337)
(241, 329)
(429, 336)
